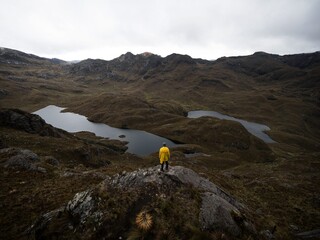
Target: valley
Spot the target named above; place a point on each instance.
(278, 182)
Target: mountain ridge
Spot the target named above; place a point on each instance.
(13, 52)
(12, 56)
(151, 93)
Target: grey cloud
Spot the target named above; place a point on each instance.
(204, 28)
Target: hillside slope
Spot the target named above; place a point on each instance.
(277, 182)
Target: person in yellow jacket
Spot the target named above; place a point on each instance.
(164, 156)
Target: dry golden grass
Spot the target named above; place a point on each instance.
(144, 220)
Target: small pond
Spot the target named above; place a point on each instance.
(255, 129)
(139, 142)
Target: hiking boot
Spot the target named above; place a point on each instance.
(167, 166)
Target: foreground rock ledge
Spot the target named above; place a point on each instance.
(176, 199)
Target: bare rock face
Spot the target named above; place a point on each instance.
(216, 212)
(81, 206)
(110, 208)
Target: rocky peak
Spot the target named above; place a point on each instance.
(140, 63)
(147, 54)
(129, 63)
(179, 59)
(126, 57)
(261, 53)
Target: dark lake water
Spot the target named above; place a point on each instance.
(139, 142)
(255, 129)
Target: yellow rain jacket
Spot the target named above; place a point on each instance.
(164, 154)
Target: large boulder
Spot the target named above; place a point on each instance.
(175, 202)
(21, 120)
(22, 159)
(216, 214)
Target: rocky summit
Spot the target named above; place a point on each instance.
(223, 182)
(109, 210)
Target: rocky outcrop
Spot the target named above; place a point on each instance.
(140, 63)
(109, 209)
(31, 123)
(217, 213)
(23, 159)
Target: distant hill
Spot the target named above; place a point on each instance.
(267, 84)
(11, 56)
(299, 69)
(44, 169)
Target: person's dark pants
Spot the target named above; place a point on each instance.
(167, 165)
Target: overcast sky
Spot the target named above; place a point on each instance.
(209, 29)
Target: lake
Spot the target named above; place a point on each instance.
(139, 142)
(255, 129)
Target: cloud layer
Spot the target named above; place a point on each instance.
(206, 28)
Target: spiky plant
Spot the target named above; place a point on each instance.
(144, 220)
